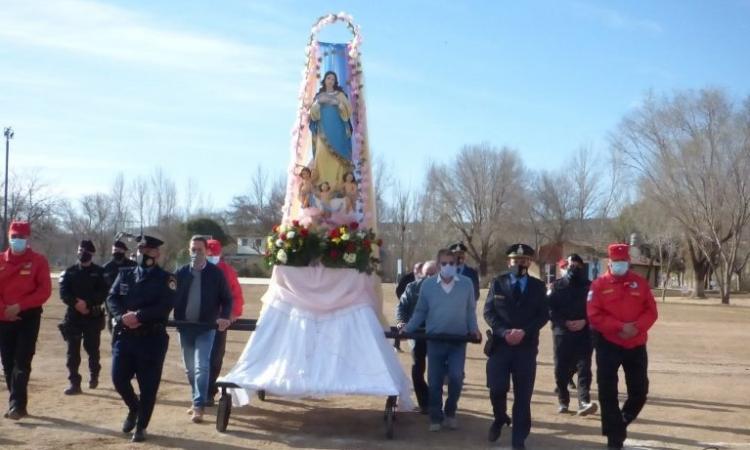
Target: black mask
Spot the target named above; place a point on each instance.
(519, 270)
(574, 273)
(118, 257)
(84, 257)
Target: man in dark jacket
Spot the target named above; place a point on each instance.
(404, 311)
(404, 281)
(118, 262)
(140, 302)
(203, 297)
(516, 309)
(572, 336)
(84, 290)
(459, 251)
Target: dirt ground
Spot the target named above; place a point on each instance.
(700, 398)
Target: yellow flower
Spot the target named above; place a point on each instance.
(335, 240)
(345, 237)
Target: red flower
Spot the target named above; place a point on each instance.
(303, 232)
(354, 225)
(295, 223)
(282, 236)
(366, 243)
(275, 229)
(334, 233)
(350, 247)
(333, 254)
(379, 242)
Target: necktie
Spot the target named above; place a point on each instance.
(517, 291)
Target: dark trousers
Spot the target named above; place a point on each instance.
(89, 333)
(142, 357)
(573, 354)
(518, 364)
(418, 367)
(634, 362)
(217, 359)
(17, 348)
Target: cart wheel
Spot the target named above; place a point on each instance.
(223, 411)
(261, 395)
(390, 416)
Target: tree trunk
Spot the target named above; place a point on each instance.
(727, 288)
(700, 270)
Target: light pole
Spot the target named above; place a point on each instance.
(8, 133)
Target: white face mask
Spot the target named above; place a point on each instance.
(448, 271)
(619, 268)
(213, 259)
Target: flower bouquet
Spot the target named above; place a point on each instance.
(292, 245)
(346, 246)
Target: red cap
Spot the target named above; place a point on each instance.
(20, 228)
(214, 247)
(563, 263)
(619, 252)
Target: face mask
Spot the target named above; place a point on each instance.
(619, 268)
(214, 259)
(18, 245)
(519, 270)
(119, 257)
(448, 271)
(144, 261)
(84, 257)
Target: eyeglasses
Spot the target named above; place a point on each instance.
(446, 263)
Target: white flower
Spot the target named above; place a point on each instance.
(283, 228)
(374, 248)
(345, 237)
(281, 256)
(361, 234)
(279, 243)
(291, 235)
(350, 258)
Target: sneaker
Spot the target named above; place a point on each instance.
(435, 427)
(197, 415)
(562, 408)
(189, 410)
(584, 409)
(451, 423)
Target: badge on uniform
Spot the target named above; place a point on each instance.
(499, 297)
(172, 283)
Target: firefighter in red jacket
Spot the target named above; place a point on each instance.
(24, 287)
(220, 341)
(621, 309)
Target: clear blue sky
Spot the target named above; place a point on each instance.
(208, 89)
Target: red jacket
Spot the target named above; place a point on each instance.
(614, 301)
(234, 286)
(24, 279)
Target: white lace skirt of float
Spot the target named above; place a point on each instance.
(296, 354)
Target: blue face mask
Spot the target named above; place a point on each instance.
(448, 271)
(213, 259)
(18, 245)
(619, 268)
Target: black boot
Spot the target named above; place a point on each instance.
(496, 429)
(94, 382)
(139, 435)
(129, 423)
(73, 389)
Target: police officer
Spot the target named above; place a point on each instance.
(516, 309)
(621, 309)
(571, 334)
(118, 262)
(84, 290)
(140, 302)
(459, 251)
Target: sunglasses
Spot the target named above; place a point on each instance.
(445, 263)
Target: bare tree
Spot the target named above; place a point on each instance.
(140, 200)
(476, 194)
(260, 209)
(692, 152)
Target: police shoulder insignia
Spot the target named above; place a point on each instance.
(172, 283)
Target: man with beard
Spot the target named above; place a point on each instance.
(571, 334)
(83, 289)
(516, 309)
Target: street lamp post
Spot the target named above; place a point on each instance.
(8, 133)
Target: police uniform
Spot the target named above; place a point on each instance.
(112, 269)
(511, 305)
(150, 292)
(466, 270)
(85, 283)
(613, 302)
(573, 349)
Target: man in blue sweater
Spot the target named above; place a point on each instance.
(446, 305)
